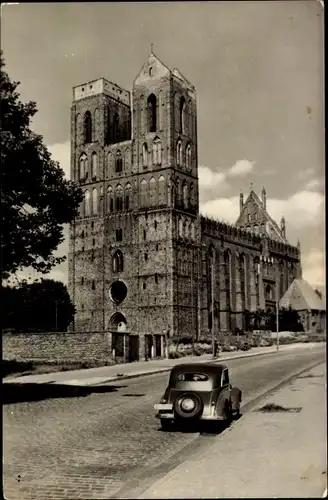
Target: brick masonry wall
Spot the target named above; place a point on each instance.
(57, 346)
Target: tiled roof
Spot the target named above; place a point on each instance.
(300, 296)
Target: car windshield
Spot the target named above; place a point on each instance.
(192, 377)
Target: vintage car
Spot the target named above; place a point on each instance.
(198, 392)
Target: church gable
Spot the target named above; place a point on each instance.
(152, 68)
(255, 218)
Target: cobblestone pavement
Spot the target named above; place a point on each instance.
(72, 446)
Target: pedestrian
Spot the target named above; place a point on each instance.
(215, 347)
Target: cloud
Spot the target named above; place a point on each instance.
(209, 179)
(302, 209)
(225, 209)
(313, 265)
(61, 152)
(241, 168)
(313, 184)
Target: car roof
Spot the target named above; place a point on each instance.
(199, 367)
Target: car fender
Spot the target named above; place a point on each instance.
(222, 401)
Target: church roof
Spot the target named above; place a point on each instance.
(261, 223)
(301, 296)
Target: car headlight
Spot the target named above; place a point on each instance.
(163, 401)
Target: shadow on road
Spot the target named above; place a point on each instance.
(19, 393)
(204, 429)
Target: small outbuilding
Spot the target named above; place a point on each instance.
(301, 297)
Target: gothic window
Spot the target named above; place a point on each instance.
(268, 292)
(249, 218)
(161, 190)
(192, 230)
(78, 128)
(192, 196)
(101, 200)
(188, 157)
(170, 194)
(116, 128)
(160, 109)
(228, 278)
(178, 193)
(153, 192)
(190, 118)
(151, 109)
(109, 164)
(242, 279)
(144, 193)
(87, 131)
(157, 151)
(127, 158)
(110, 204)
(180, 228)
(108, 127)
(182, 115)
(118, 162)
(185, 195)
(94, 201)
(87, 203)
(82, 167)
(142, 114)
(211, 286)
(94, 165)
(128, 191)
(257, 280)
(145, 155)
(179, 154)
(119, 198)
(117, 262)
(96, 125)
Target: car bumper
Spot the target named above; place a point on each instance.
(165, 411)
(171, 416)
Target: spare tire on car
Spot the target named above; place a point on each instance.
(188, 406)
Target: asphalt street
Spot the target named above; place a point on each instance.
(67, 442)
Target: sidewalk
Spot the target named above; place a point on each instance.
(263, 455)
(104, 374)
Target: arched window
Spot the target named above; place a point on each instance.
(160, 109)
(180, 228)
(153, 192)
(82, 167)
(94, 201)
(116, 128)
(192, 195)
(268, 292)
(144, 193)
(170, 193)
(211, 285)
(127, 159)
(87, 203)
(117, 262)
(118, 162)
(192, 230)
(128, 191)
(78, 128)
(228, 278)
(179, 154)
(161, 190)
(257, 280)
(101, 200)
(142, 113)
(185, 195)
(157, 151)
(87, 127)
(151, 109)
(178, 193)
(119, 198)
(96, 125)
(242, 281)
(190, 119)
(94, 165)
(188, 157)
(145, 155)
(108, 126)
(109, 164)
(110, 202)
(182, 115)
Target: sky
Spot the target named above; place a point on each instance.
(258, 72)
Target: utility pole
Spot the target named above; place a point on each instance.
(277, 316)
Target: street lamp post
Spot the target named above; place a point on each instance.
(277, 316)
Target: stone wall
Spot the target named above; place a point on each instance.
(57, 346)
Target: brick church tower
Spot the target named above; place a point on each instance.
(134, 249)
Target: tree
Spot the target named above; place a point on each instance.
(39, 306)
(36, 199)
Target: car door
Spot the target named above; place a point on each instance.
(224, 396)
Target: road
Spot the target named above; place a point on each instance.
(73, 443)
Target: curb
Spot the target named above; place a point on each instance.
(158, 370)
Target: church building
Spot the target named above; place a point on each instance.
(144, 265)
